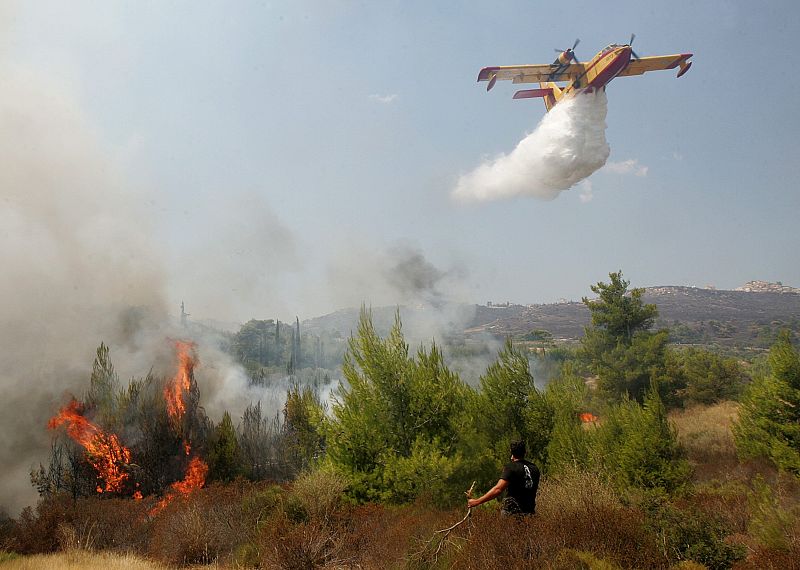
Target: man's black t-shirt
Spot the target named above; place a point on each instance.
(523, 481)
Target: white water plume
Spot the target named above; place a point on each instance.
(568, 145)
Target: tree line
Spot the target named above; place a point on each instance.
(402, 425)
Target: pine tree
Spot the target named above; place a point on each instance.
(392, 414)
(103, 388)
(708, 377)
(304, 427)
(637, 446)
(261, 445)
(503, 406)
(769, 417)
(567, 446)
(619, 346)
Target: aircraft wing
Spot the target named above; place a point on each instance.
(531, 73)
(655, 63)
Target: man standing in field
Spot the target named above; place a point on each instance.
(520, 480)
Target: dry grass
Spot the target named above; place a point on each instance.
(705, 433)
(581, 522)
(82, 560)
(380, 537)
(706, 430)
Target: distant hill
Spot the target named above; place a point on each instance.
(693, 315)
(741, 318)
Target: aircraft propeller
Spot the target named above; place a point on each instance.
(570, 53)
(630, 43)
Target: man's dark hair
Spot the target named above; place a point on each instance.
(518, 449)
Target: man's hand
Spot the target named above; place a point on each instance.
(491, 494)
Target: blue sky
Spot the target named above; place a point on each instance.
(274, 147)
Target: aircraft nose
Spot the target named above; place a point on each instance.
(626, 53)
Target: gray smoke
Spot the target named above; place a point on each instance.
(398, 275)
(76, 257)
(81, 265)
(234, 266)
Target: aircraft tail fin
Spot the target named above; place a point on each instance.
(530, 93)
(554, 96)
(550, 92)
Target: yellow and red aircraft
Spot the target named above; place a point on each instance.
(616, 60)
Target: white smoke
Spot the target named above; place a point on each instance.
(568, 145)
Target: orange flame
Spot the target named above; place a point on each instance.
(197, 470)
(194, 479)
(103, 450)
(181, 382)
(588, 417)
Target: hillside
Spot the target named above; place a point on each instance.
(740, 318)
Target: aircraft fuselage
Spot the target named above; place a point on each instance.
(602, 68)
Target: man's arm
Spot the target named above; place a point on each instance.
(490, 494)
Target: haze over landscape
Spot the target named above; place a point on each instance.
(302, 159)
(265, 149)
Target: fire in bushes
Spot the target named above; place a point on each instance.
(176, 390)
(175, 394)
(104, 451)
(113, 462)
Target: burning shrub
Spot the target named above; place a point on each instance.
(164, 421)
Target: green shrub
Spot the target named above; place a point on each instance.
(769, 417)
(691, 535)
(568, 446)
(6, 556)
(321, 493)
(638, 447)
(395, 410)
(770, 523)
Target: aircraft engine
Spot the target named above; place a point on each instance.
(567, 55)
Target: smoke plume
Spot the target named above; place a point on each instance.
(81, 266)
(76, 257)
(400, 274)
(568, 145)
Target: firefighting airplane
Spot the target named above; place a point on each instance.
(613, 61)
